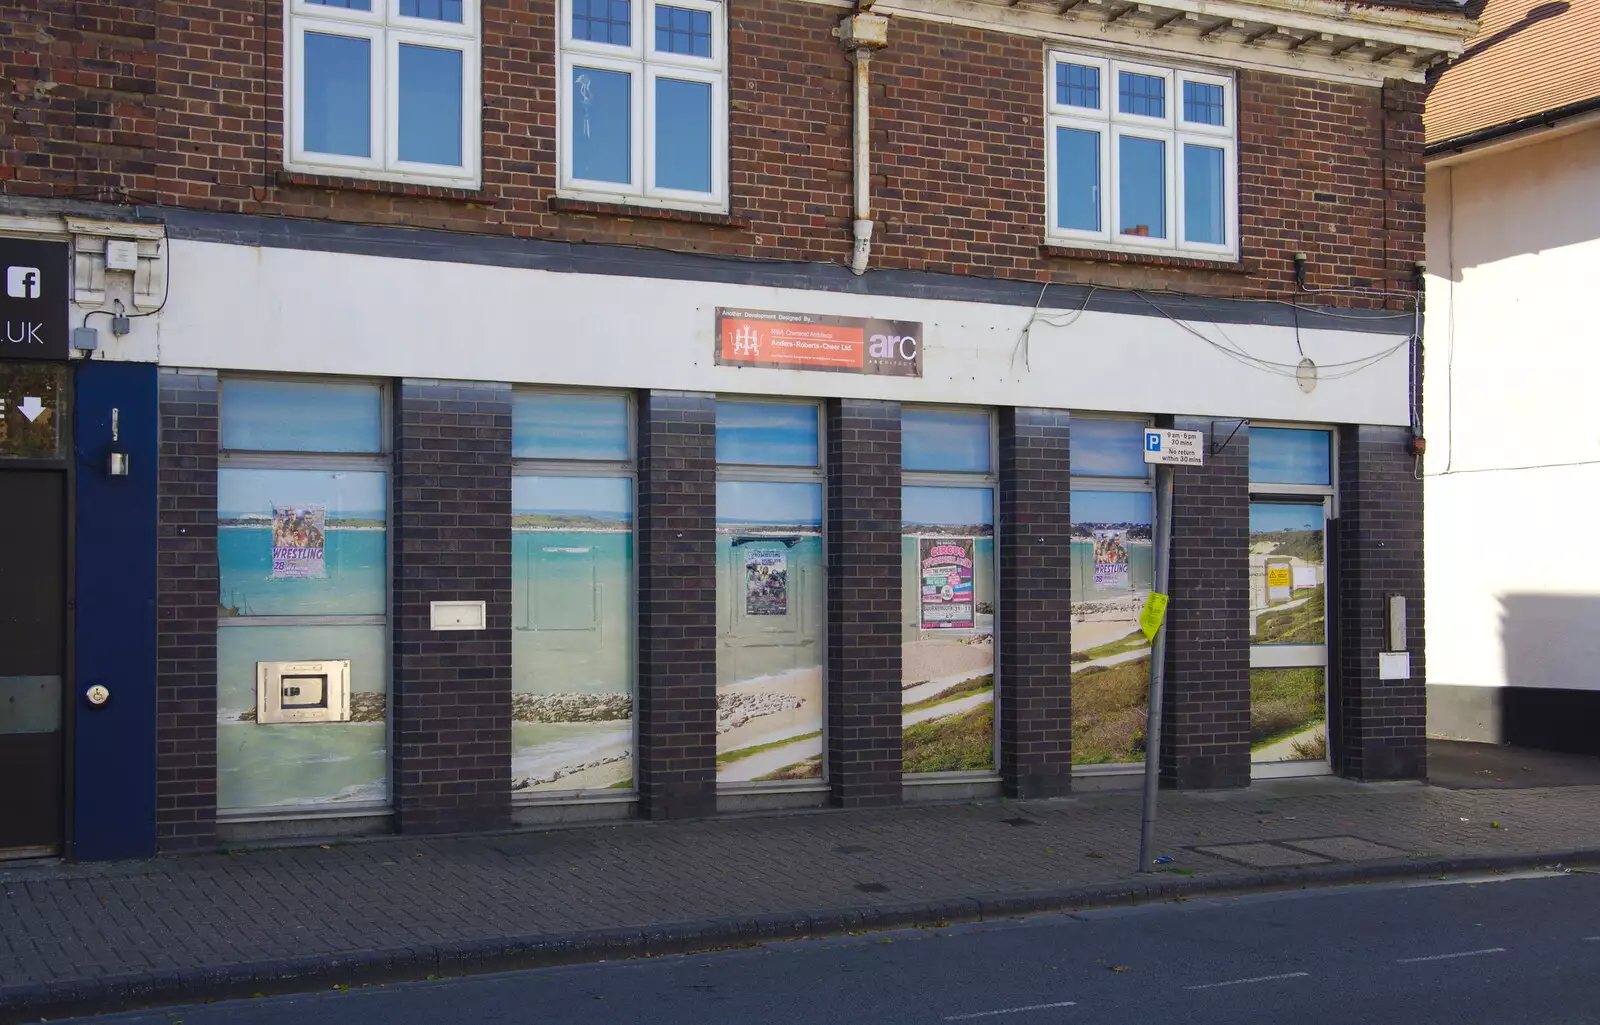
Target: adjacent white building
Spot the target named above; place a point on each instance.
(1511, 367)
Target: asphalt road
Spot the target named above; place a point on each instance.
(1509, 950)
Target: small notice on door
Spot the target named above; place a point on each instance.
(299, 534)
(1279, 576)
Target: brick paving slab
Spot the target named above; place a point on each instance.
(80, 937)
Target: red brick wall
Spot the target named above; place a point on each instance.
(182, 105)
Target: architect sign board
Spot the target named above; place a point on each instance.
(1176, 448)
(814, 341)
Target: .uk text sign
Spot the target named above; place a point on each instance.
(33, 300)
(816, 341)
(1178, 448)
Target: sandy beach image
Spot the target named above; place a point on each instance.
(768, 724)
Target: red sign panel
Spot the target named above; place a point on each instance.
(812, 341)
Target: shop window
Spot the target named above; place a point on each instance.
(1291, 455)
(572, 578)
(643, 100)
(770, 592)
(383, 89)
(948, 681)
(1134, 164)
(1108, 448)
(303, 565)
(1113, 572)
(1291, 499)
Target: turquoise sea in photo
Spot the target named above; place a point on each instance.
(356, 562)
(272, 765)
(570, 612)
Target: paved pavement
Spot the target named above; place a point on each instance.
(82, 937)
(1492, 952)
(1461, 765)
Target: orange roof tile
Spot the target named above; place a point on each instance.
(1527, 58)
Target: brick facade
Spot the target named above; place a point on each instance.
(1380, 725)
(1205, 721)
(182, 106)
(451, 691)
(186, 624)
(864, 595)
(1034, 648)
(676, 710)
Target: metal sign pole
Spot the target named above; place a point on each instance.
(1158, 658)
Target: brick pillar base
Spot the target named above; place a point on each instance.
(1380, 724)
(186, 613)
(864, 715)
(452, 542)
(1034, 647)
(1205, 740)
(677, 702)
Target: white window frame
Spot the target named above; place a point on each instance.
(386, 30)
(645, 65)
(1112, 125)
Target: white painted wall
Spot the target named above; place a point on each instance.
(1511, 370)
(237, 307)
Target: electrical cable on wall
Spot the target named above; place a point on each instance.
(1232, 349)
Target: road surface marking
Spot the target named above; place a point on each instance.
(1259, 978)
(1446, 957)
(1007, 1010)
(1591, 939)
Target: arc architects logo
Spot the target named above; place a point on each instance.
(814, 341)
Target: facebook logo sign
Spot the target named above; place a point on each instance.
(1152, 441)
(23, 282)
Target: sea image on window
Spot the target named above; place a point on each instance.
(1112, 575)
(947, 636)
(1288, 585)
(770, 607)
(288, 765)
(302, 542)
(572, 636)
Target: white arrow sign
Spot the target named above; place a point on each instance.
(31, 407)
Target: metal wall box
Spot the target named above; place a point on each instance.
(458, 615)
(289, 692)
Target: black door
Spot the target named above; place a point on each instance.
(33, 574)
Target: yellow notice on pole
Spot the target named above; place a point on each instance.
(1155, 610)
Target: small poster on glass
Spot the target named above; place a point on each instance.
(1111, 559)
(947, 602)
(298, 542)
(766, 582)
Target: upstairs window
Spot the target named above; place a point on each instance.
(383, 89)
(643, 91)
(1140, 157)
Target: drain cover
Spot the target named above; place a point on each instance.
(872, 888)
(1019, 821)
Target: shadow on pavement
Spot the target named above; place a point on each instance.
(1463, 765)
